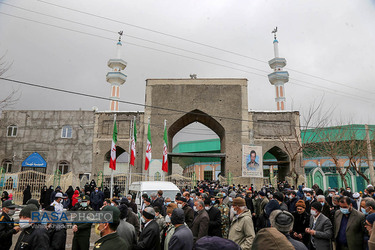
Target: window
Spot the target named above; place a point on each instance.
(7, 166)
(157, 176)
(12, 131)
(63, 167)
(66, 132)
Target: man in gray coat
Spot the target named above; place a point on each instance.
(321, 230)
(182, 238)
(200, 224)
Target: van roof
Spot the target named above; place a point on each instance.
(153, 185)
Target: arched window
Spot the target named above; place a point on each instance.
(12, 131)
(63, 167)
(7, 166)
(66, 131)
(157, 176)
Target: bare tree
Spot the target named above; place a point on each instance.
(295, 143)
(13, 96)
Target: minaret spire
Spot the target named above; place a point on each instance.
(279, 77)
(115, 77)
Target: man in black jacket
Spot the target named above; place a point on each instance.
(214, 226)
(33, 236)
(150, 236)
(188, 211)
(182, 238)
(7, 228)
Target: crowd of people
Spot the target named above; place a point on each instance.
(204, 217)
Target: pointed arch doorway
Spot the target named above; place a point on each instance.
(276, 163)
(207, 120)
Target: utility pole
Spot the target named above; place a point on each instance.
(369, 156)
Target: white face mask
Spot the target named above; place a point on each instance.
(207, 208)
(24, 224)
(233, 211)
(179, 205)
(143, 219)
(167, 219)
(195, 209)
(11, 212)
(313, 212)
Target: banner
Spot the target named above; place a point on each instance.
(252, 161)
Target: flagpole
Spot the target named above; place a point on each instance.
(114, 121)
(129, 152)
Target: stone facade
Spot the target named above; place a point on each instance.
(41, 131)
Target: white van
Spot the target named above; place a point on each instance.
(148, 187)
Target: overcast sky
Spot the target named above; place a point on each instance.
(331, 40)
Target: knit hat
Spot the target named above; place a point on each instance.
(282, 221)
(178, 216)
(317, 205)
(26, 211)
(149, 213)
(115, 212)
(370, 218)
(33, 201)
(271, 239)
(300, 203)
(238, 202)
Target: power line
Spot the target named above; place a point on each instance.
(320, 88)
(156, 107)
(198, 43)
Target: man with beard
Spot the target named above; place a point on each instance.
(301, 222)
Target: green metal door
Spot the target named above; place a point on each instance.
(318, 179)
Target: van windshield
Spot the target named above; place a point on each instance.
(168, 193)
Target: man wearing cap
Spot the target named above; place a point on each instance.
(110, 240)
(33, 236)
(188, 211)
(150, 235)
(283, 221)
(301, 222)
(242, 229)
(7, 228)
(182, 238)
(82, 231)
(58, 230)
(224, 212)
(357, 201)
(320, 228)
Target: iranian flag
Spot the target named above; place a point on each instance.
(112, 162)
(165, 150)
(148, 148)
(134, 140)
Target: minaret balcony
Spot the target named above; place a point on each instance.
(277, 63)
(117, 63)
(278, 77)
(116, 77)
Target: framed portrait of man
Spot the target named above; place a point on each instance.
(252, 161)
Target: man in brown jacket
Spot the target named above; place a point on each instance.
(200, 224)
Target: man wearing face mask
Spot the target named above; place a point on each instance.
(331, 193)
(33, 236)
(82, 231)
(7, 228)
(349, 230)
(241, 230)
(188, 211)
(367, 206)
(201, 221)
(320, 228)
(58, 230)
(110, 240)
(214, 226)
(309, 199)
(326, 210)
(150, 235)
(182, 238)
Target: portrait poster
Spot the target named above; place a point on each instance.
(252, 161)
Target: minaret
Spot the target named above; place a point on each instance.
(279, 76)
(115, 77)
